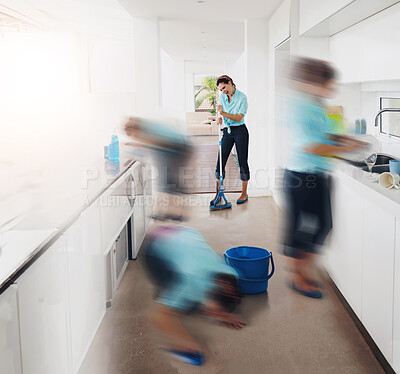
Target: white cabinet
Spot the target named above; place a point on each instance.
(10, 349)
(377, 293)
(42, 294)
(363, 261)
(138, 209)
(279, 24)
(344, 257)
(314, 12)
(86, 281)
(396, 306)
(369, 50)
(148, 193)
(116, 208)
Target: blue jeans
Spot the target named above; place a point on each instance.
(240, 137)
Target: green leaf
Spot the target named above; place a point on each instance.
(210, 88)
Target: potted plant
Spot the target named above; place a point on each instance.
(208, 92)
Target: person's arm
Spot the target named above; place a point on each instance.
(348, 144)
(232, 117)
(214, 310)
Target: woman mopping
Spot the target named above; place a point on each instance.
(233, 108)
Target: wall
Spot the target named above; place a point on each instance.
(147, 62)
(373, 67)
(59, 108)
(197, 67)
(256, 51)
(173, 87)
(279, 30)
(237, 70)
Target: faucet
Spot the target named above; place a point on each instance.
(382, 111)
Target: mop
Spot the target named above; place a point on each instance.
(220, 202)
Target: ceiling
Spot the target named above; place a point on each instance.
(202, 30)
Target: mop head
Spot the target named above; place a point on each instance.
(220, 206)
(220, 202)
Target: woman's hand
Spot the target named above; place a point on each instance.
(219, 109)
(227, 319)
(231, 321)
(219, 121)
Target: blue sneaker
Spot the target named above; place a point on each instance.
(193, 358)
(313, 294)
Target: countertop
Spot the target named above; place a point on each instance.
(57, 206)
(388, 199)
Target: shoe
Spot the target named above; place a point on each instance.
(313, 294)
(193, 358)
(158, 218)
(242, 201)
(174, 218)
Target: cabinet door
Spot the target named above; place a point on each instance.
(86, 280)
(369, 50)
(43, 308)
(344, 256)
(10, 348)
(377, 292)
(396, 309)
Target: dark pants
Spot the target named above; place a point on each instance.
(170, 162)
(309, 217)
(240, 137)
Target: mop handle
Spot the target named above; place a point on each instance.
(229, 128)
(221, 177)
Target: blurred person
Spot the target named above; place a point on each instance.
(232, 109)
(171, 152)
(189, 277)
(306, 181)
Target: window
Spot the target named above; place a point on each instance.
(390, 122)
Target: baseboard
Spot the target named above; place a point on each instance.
(259, 192)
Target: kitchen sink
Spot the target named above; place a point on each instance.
(383, 159)
(381, 164)
(377, 168)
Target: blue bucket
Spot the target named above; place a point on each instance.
(250, 262)
(253, 286)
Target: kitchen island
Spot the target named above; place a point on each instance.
(363, 258)
(56, 262)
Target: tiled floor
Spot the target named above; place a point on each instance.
(286, 332)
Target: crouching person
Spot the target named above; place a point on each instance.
(189, 276)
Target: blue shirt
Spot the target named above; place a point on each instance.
(238, 105)
(194, 263)
(308, 123)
